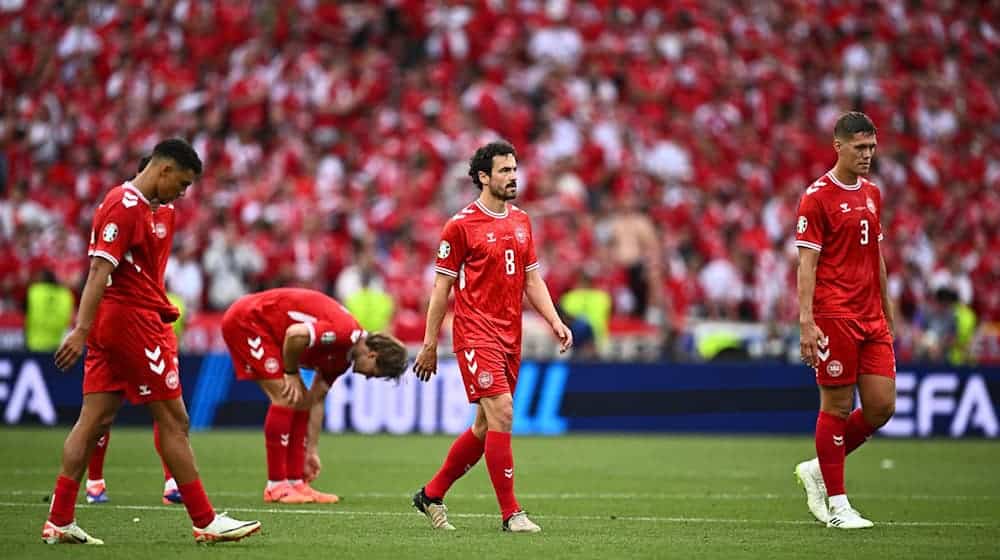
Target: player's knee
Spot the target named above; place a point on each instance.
(879, 414)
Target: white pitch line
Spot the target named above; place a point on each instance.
(584, 496)
(650, 519)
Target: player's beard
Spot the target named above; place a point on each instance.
(502, 193)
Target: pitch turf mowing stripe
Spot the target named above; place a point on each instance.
(651, 519)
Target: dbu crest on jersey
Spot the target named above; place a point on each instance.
(160, 230)
(871, 204)
(803, 224)
(522, 236)
(110, 232)
(444, 249)
(327, 338)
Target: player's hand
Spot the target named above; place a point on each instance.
(425, 365)
(564, 335)
(71, 349)
(313, 466)
(293, 390)
(811, 340)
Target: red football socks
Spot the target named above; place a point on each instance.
(95, 471)
(465, 452)
(830, 449)
(63, 505)
(296, 464)
(277, 437)
(858, 431)
(196, 502)
(156, 443)
(500, 463)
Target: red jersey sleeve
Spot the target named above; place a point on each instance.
(114, 232)
(810, 227)
(452, 250)
(327, 335)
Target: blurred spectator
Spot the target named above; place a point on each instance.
(50, 310)
(590, 304)
(635, 248)
(184, 276)
(361, 274)
(323, 122)
(228, 262)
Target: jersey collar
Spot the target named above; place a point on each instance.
(853, 187)
(132, 188)
(491, 214)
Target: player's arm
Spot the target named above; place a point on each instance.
(539, 297)
(883, 284)
(883, 276)
(93, 290)
(426, 363)
(297, 338)
(810, 336)
(317, 398)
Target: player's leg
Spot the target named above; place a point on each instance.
(172, 418)
(499, 411)
(877, 388)
(296, 466)
(171, 494)
(97, 492)
(464, 453)
(96, 415)
(278, 427)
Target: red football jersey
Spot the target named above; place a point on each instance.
(842, 223)
(125, 229)
(333, 331)
(489, 254)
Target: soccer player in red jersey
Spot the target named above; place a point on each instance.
(845, 315)
(270, 335)
(488, 253)
(96, 489)
(131, 354)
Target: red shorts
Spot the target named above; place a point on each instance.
(855, 347)
(131, 351)
(487, 373)
(255, 355)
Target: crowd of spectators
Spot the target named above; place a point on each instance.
(662, 146)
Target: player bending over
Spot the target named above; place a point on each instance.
(272, 334)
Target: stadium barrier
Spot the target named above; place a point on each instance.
(552, 398)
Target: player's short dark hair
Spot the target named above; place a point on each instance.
(851, 123)
(482, 160)
(180, 151)
(143, 162)
(390, 353)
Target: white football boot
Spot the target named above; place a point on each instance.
(811, 479)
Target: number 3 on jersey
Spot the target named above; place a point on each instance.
(864, 232)
(508, 257)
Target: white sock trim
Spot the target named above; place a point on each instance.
(170, 485)
(94, 482)
(273, 483)
(839, 502)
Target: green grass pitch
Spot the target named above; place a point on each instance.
(617, 496)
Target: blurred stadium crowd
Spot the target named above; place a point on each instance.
(663, 146)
